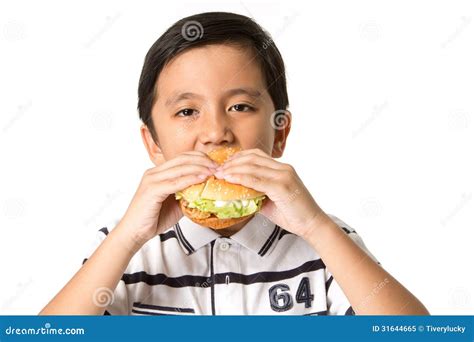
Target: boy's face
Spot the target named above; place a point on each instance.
(212, 96)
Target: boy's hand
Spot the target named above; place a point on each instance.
(289, 203)
(153, 207)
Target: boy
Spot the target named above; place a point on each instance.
(213, 80)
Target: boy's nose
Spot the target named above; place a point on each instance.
(216, 131)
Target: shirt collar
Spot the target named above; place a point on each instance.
(259, 235)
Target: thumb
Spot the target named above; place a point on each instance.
(170, 213)
(268, 209)
(159, 159)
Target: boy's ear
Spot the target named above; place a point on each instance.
(152, 147)
(282, 126)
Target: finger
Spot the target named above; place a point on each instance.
(251, 181)
(246, 152)
(186, 153)
(253, 158)
(186, 158)
(260, 178)
(251, 169)
(173, 185)
(179, 171)
(194, 153)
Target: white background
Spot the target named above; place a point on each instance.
(383, 134)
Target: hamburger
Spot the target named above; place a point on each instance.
(218, 204)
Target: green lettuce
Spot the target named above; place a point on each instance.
(226, 209)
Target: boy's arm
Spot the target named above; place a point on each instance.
(291, 205)
(96, 279)
(359, 276)
(151, 210)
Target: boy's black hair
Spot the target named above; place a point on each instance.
(204, 29)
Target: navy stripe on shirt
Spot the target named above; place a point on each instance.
(220, 278)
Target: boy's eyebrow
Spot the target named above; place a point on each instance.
(178, 97)
(231, 92)
(245, 91)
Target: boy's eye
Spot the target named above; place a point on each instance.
(185, 112)
(241, 108)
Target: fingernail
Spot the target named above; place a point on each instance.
(203, 176)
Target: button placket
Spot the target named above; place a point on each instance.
(226, 262)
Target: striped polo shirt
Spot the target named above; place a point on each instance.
(260, 270)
